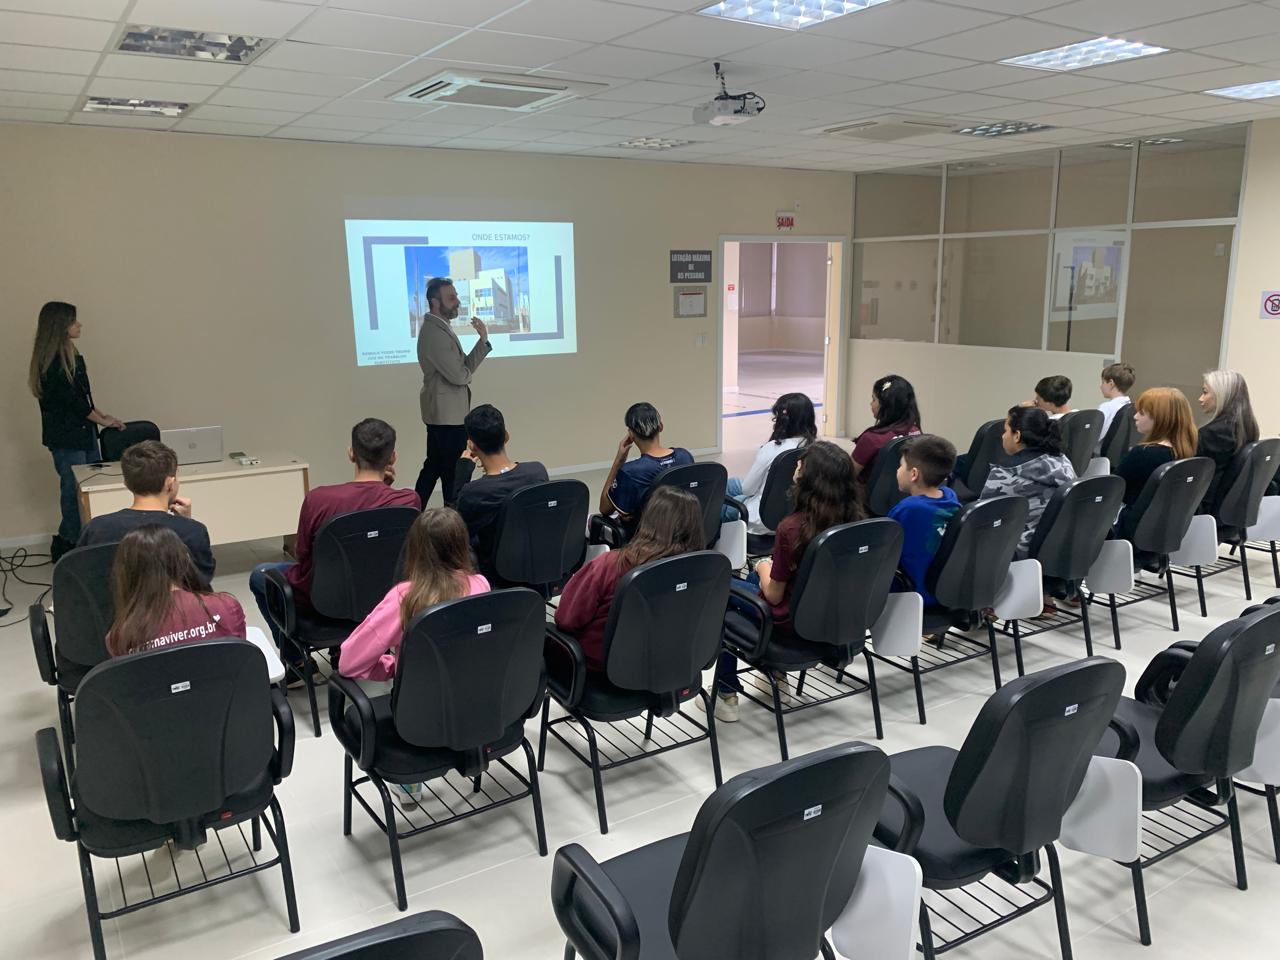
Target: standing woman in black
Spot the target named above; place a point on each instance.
(58, 379)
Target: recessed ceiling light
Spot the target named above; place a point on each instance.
(1002, 128)
(136, 108)
(1088, 53)
(194, 44)
(653, 143)
(786, 15)
(1249, 91)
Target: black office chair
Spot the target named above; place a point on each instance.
(663, 631)
(1243, 487)
(1195, 716)
(172, 744)
(706, 481)
(1081, 430)
(113, 442)
(1270, 784)
(1075, 524)
(356, 559)
(882, 486)
(776, 501)
(83, 614)
(541, 535)
(985, 449)
(773, 857)
(965, 577)
(979, 815)
(1156, 525)
(1121, 436)
(430, 935)
(468, 675)
(838, 592)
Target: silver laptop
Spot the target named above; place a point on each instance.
(194, 444)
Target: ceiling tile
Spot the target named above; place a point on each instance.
(91, 9)
(210, 111)
(37, 101)
(588, 20)
(320, 59)
(15, 56)
(1238, 23)
(465, 13)
(1178, 104)
(696, 36)
(893, 94)
(1153, 68)
(149, 89)
(508, 49)
(296, 81)
(437, 132)
(602, 108)
(1107, 17)
(1113, 93)
(479, 143)
(906, 23)
(1225, 113)
(399, 139)
(326, 121)
(669, 115)
(1259, 49)
(1029, 111)
(138, 66)
(801, 49)
(552, 119)
(40, 82)
(898, 65)
(315, 133)
(268, 99)
(193, 125)
(1008, 38)
(118, 120)
(43, 31)
(1088, 118)
(607, 60)
(513, 134)
(363, 31)
(1227, 77)
(28, 115)
(1040, 85)
(261, 18)
(811, 83)
(625, 129)
(981, 76)
(645, 91)
(959, 104)
(580, 139)
(353, 107)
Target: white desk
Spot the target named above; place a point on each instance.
(236, 503)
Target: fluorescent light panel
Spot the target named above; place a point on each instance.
(1004, 128)
(654, 143)
(136, 108)
(1087, 53)
(191, 44)
(784, 14)
(1249, 91)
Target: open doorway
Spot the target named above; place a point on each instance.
(780, 311)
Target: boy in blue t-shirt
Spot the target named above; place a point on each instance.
(927, 461)
(629, 481)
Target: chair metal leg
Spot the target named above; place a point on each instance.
(257, 834)
(68, 732)
(91, 904)
(286, 865)
(995, 654)
(1084, 622)
(309, 674)
(827, 952)
(1140, 900)
(595, 774)
(1115, 621)
(915, 676)
(708, 703)
(1237, 840)
(875, 694)
(347, 777)
(1059, 902)
(536, 795)
(804, 674)
(393, 841)
(542, 732)
(1244, 570)
(1273, 812)
(648, 726)
(1173, 600)
(1204, 610)
(777, 714)
(926, 933)
(1017, 648)
(475, 781)
(1275, 562)
(569, 952)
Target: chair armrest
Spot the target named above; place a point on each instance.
(1162, 673)
(573, 866)
(566, 667)
(605, 530)
(757, 609)
(54, 777)
(283, 714)
(1129, 739)
(743, 514)
(912, 816)
(280, 602)
(536, 706)
(343, 688)
(41, 644)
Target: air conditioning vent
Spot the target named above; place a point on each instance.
(887, 129)
(498, 91)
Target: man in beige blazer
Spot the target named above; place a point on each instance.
(446, 388)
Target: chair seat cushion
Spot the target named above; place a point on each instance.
(605, 701)
(319, 632)
(1162, 783)
(760, 544)
(946, 860)
(396, 761)
(786, 651)
(645, 877)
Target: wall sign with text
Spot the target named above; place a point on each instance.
(690, 266)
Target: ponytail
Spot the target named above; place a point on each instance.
(1038, 431)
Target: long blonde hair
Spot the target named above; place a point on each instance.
(52, 343)
(437, 561)
(1231, 402)
(1171, 420)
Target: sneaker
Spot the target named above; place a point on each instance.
(727, 708)
(408, 793)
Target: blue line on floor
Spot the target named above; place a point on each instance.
(752, 413)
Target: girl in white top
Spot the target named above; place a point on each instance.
(794, 425)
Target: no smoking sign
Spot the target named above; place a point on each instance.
(1270, 309)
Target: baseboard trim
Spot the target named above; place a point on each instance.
(30, 540)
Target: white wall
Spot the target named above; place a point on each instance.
(729, 315)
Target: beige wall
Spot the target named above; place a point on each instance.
(802, 280)
(755, 279)
(729, 316)
(1253, 344)
(211, 277)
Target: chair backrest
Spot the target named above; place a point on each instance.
(1167, 503)
(430, 935)
(974, 556)
(542, 533)
(468, 670)
(1081, 431)
(82, 606)
(113, 442)
(1121, 435)
(1246, 483)
(843, 582)
(168, 735)
(666, 622)
(1210, 723)
(776, 500)
(882, 486)
(1027, 752)
(1074, 525)
(983, 451)
(707, 482)
(356, 560)
(774, 856)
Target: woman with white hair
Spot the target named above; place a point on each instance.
(1225, 399)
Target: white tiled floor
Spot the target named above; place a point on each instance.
(486, 869)
(765, 376)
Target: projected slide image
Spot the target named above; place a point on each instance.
(517, 277)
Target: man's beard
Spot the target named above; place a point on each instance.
(451, 314)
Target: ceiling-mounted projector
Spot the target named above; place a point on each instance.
(728, 108)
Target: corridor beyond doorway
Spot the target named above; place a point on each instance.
(764, 376)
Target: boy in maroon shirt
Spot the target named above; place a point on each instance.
(373, 451)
